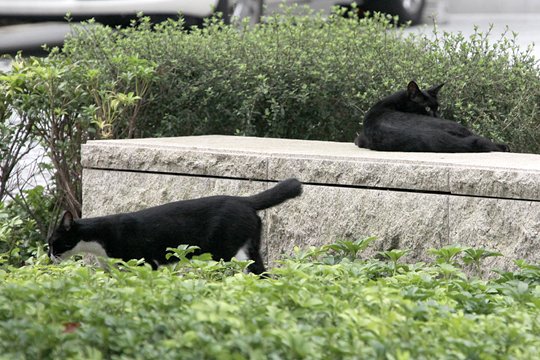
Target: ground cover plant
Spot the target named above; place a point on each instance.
(323, 303)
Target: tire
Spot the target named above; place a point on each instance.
(407, 10)
(238, 10)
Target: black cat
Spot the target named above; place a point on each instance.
(224, 226)
(407, 121)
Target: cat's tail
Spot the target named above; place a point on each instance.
(284, 190)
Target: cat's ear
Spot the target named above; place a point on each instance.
(413, 90)
(67, 220)
(434, 90)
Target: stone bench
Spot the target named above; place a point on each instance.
(408, 200)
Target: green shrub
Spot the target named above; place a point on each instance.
(309, 309)
(307, 77)
(48, 96)
(25, 222)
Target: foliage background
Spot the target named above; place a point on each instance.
(307, 77)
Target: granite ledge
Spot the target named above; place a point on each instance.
(495, 175)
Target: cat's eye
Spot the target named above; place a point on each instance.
(428, 109)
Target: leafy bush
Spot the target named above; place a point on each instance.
(15, 141)
(34, 105)
(306, 77)
(306, 309)
(48, 95)
(25, 222)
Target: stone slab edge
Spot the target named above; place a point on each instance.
(328, 170)
(174, 161)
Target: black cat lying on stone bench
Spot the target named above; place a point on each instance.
(407, 121)
(224, 226)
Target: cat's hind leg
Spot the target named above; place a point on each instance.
(254, 251)
(257, 266)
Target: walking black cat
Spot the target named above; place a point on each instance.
(224, 226)
(407, 121)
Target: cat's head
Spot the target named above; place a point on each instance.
(64, 240)
(422, 102)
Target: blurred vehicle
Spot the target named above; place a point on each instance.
(121, 11)
(407, 10)
(38, 22)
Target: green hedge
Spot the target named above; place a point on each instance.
(307, 77)
(319, 305)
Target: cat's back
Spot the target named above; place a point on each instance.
(384, 116)
(191, 206)
(387, 106)
(396, 111)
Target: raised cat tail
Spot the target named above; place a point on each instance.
(284, 190)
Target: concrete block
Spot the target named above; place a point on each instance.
(409, 200)
(110, 192)
(325, 214)
(508, 226)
